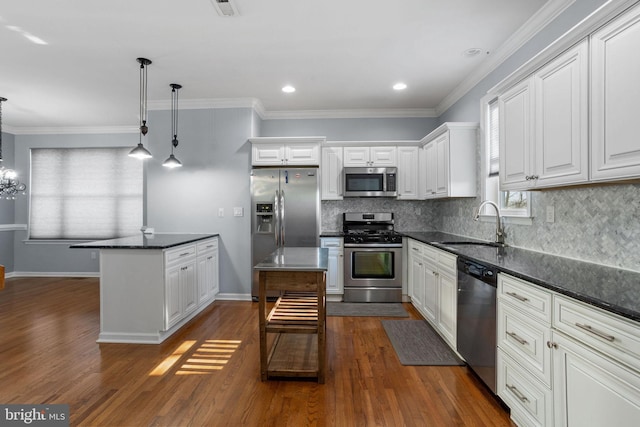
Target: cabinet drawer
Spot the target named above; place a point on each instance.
(206, 246)
(331, 242)
(415, 247)
(447, 262)
(178, 254)
(529, 400)
(612, 335)
(525, 339)
(526, 296)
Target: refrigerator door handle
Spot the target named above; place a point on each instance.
(276, 210)
(282, 219)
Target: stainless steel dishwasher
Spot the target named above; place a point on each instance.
(477, 318)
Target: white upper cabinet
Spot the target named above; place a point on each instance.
(544, 125)
(302, 151)
(408, 173)
(331, 172)
(615, 99)
(448, 163)
(369, 156)
(561, 119)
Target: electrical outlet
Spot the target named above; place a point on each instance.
(551, 214)
(220, 212)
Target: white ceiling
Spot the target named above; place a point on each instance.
(342, 56)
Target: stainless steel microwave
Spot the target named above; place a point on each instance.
(370, 182)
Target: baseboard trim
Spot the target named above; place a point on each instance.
(51, 274)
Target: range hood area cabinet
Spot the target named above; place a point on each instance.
(447, 161)
(569, 115)
(286, 151)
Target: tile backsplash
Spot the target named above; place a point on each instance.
(598, 224)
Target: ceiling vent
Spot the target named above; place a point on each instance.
(225, 7)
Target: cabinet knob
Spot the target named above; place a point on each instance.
(552, 344)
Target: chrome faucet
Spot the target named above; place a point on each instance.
(499, 228)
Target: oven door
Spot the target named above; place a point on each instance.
(373, 266)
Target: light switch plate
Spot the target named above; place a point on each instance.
(238, 211)
(551, 214)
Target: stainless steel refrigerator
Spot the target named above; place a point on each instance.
(285, 205)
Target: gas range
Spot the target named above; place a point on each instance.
(371, 229)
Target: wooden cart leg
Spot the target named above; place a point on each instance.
(262, 308)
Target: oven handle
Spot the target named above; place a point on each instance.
(372, 245)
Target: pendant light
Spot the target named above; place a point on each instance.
(139, 151)
(9, 184)
(172, 162)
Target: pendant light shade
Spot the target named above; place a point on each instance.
(172, 162)
(139, 151)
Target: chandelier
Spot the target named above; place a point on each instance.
(9, 184)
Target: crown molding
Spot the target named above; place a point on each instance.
(350, 114)
(547, 13)
(72, 130)
(204, 104)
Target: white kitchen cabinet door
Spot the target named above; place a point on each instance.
(591, 389)
(267, 154)
(335, 271)
(383, 156)
(207, 276)
(615, 99)
(189, 285)
(515, 110)
(331, 171)
(431, 173)
(442, 165)
(416, 281)
(356, 156)
(430, 296)
(561, 119)
(303, 154)
(408, 160)
(447, 307)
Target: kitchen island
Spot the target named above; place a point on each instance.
(298, 317)
(153, 284)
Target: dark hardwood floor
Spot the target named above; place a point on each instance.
(208, 373)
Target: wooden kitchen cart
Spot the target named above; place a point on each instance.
(298, 318)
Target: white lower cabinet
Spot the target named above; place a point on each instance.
(561, 362)
(207, 266)
(335, 271)
(432, 287)
(524, 359)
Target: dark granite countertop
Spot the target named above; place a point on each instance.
(332, 234)
(145, 241)
(292, 258)
(613, 289)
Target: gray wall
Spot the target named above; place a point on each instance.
(352, 129)
(216, 156)
(7, 207)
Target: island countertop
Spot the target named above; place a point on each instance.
(145, 241)
(294, 258)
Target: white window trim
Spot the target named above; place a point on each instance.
(509, 216)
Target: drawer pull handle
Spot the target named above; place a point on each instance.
(519, 395)
(211, 257)
(517, 338)
(415, 249)
(518, 297)
(596, 332)
(185, 254)
(210, 246)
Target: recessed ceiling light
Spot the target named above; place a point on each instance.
(399, 86)
(288, 89)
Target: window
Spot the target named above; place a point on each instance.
(84, 193)
(511, 203)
